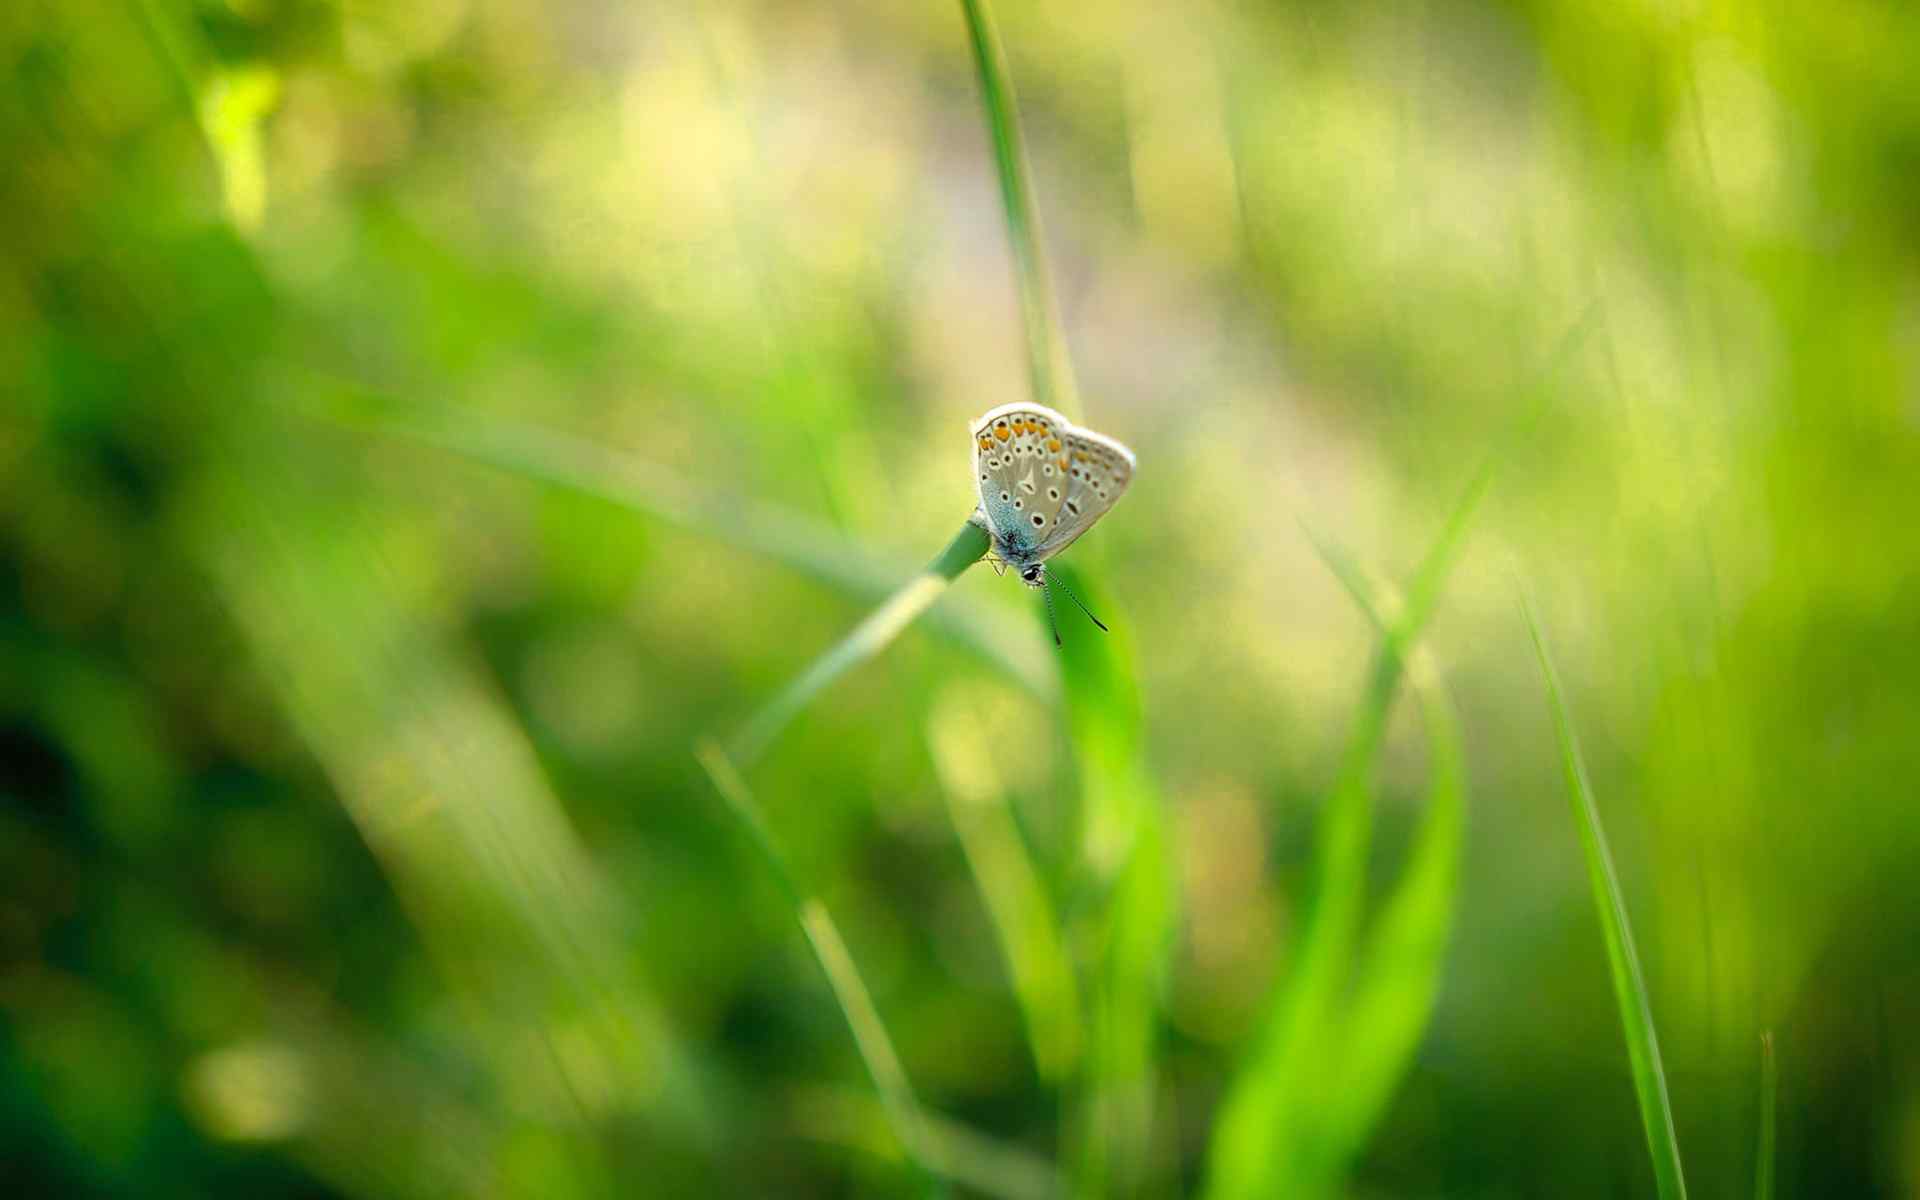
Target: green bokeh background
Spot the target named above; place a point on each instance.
(421, 426)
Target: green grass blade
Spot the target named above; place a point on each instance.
(1130, 950)
(1124, 840)
(1423, 591)
(1272, 1124)
(1276, 1134)
(568, 462)
(1630, 989)
(813, 548)
(1022, 913)
(1399, 975)
(1126, 870)
(1353, 578)
(1398, 978)
(1049, 367)
(1763, 1166)
(972, 1160)
(830, 950)
(868, 638)
(1265, 1123)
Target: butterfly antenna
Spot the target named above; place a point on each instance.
(1083, 608)
(1051, 624)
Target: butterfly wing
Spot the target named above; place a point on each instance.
(1097, 469)
(1022, 464)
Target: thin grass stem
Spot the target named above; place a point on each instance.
(1124, 843)
(1629, 985)
(971, 1159)
(1423, 591)
(1397, 976)
(830, 950)
(1274, 1133)
(1023, 915)
(868, 638)
(811, 547)
(1049, 367)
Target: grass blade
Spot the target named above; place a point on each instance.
(1629, 987)
(830, 950)
(1264, 1123)
(1049, 367)
(813, 548)
(969, 1158)
(1130, 945)
(1273, 1134)
(1130, 906)
(1399, 974)
(1353, 578)
(1763, 1166)
(1124, 840)
(1398, 978)
(1276, 1134)
(1423, 591)
(808, 546)
(868, 638)
(960, 738)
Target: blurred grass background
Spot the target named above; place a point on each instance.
(422, 426)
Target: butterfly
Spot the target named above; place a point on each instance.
(1043, 482)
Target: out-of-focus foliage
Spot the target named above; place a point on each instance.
(353, 842)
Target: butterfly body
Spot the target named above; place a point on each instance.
(1043, 481)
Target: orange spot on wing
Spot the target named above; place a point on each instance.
(1054, 445)
(1063, 462)
(1000, 431)
(986, 443)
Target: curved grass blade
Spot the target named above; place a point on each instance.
(1277, 1133)
(1127, 875)
(969, 1158)
(1131, 946)
(813, 548)
(1124, 836)
(1049, 367)
(1274, 1135)
(1629, 987)
(1266, 1122)
(868, 638)
(1423, 590)
(1399, 974)
(830, 950)
(1023, 915)
(1398, 978)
